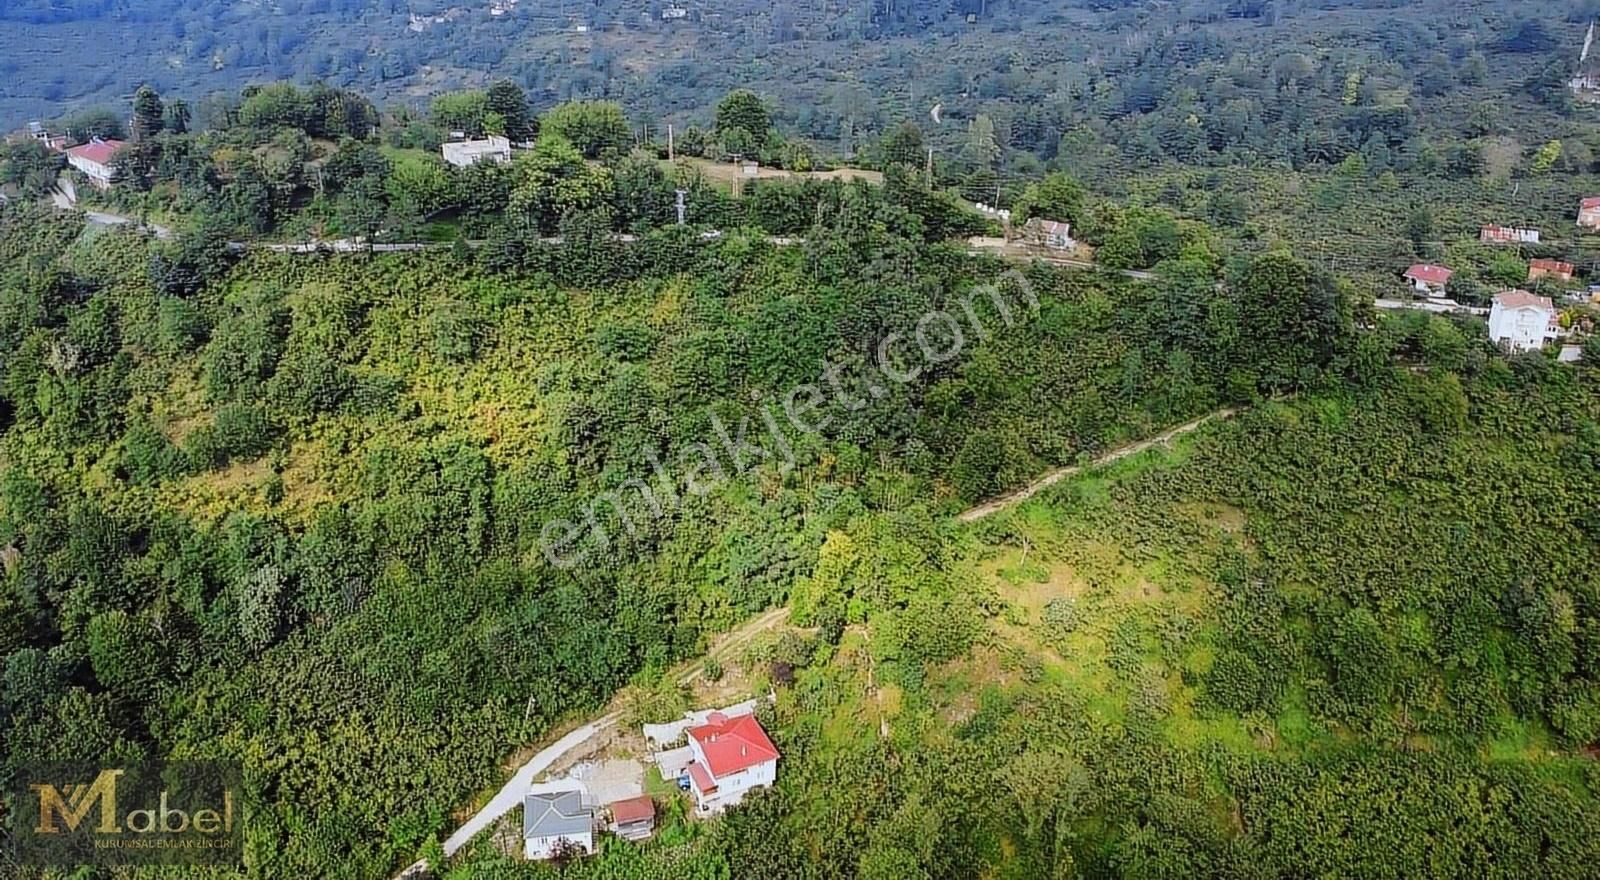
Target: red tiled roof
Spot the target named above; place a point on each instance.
(1429, 273)
(701, 778)
(636, 809)
(1555, 266)
(1521, 299)
(97, 151)
(1591, 202)
(733, 744)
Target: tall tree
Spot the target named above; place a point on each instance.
(507, 99)
(743, 109)
(149, 117)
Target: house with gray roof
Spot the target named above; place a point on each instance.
(553, 821)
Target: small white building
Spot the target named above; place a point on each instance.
(1053, 234)
(1521, 321)
(732, 757)
(490, 149)
(671, 13)
(1428, 278)
(556, 821)
(95, 159)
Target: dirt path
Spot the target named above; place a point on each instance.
(989, 508)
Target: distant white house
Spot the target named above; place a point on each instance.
(553, 821)
(1522, 321)
(1508, 235)
(1053, 234)
(94, 159)
(673, 12)
(1589, 213)
(490, 149)
(731, 757)
(1428, 278)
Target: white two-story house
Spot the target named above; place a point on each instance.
(95, 159)
(1521, 321)
(732, 756)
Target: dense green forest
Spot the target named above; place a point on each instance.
(293, 509)
(292, 514)
(1342, 636)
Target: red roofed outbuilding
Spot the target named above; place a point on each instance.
(1589, 213)
(634, 818)
(1428, 278)
(1550, 269)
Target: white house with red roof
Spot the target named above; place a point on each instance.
(1428, 278)
(1508, 235)
(731, 757)
(94, 159)
(1589, 213)
(1522, 321)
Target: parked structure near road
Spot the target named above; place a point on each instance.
(1508, 235)
(491, 149)
(1428, 278)
(1521, 321)
(1589, 213)
(1053, 234)
(94, 159)
(732, 757)
(1550, 269)
(554, 822)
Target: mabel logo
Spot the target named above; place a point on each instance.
(178, 813)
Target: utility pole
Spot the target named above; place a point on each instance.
(930, 168)
(682, 208)
(670, 157)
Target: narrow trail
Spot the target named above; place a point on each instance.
(989, 508)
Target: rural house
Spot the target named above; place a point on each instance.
(1508, 235)
(634, 818)
(1549, 269)
(1428, 278)
(556, 821)
(94, 159)
(1052, 234)
(1589, 213)
(464, 153)
(1521, 321)
(732, 756)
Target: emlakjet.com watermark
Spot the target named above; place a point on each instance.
(176, 813)
(698, 468)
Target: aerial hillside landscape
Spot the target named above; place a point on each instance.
(1112, 439)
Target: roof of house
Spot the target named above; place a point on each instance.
(733, 744)
(1429, 273)
(702, 777)
(637, 809)
(1591, 202)
(1521, 299)
(1051, 227)
(1556, 266)
(554, 813)
(97, 151)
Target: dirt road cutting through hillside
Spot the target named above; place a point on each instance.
(989, 508)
